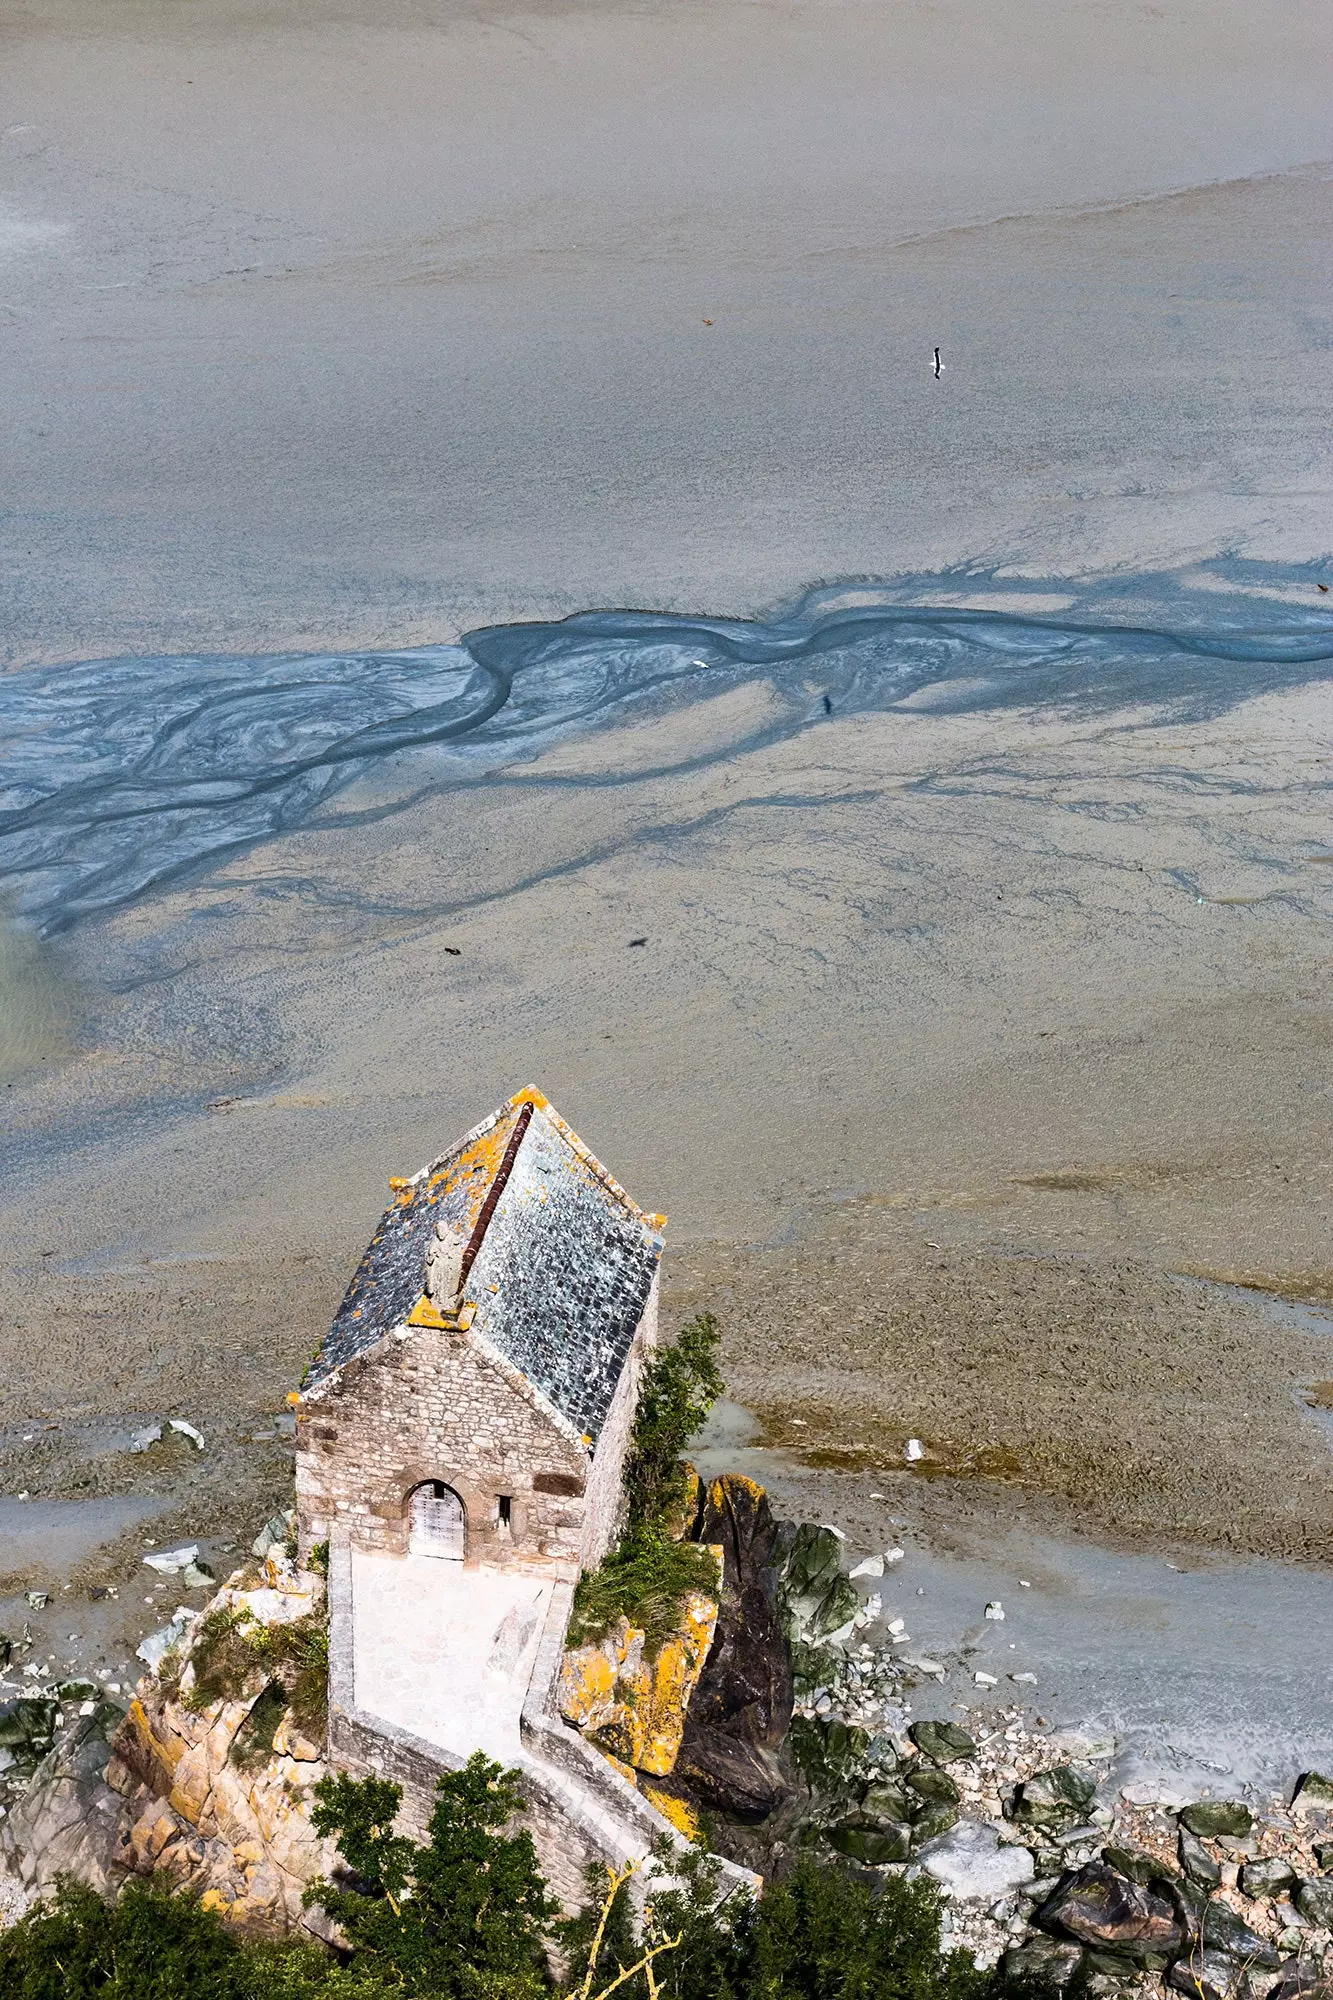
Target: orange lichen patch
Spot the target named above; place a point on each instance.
(681, 1816)
(397, 1182)
(627, 1771)
(475, 1168)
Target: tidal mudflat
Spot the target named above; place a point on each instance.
(921, 892)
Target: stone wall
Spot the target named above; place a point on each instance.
(429, 1404)
(604, 1500)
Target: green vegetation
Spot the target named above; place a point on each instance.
(821, 1934)
(651, 1568)
(231, 1651)
(467, 1917)
(462, 1918)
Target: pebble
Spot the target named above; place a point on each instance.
(995, 1611)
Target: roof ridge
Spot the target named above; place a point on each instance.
(531, 1095)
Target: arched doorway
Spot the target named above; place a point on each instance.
(438, 1524)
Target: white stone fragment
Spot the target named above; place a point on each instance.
(897, 1626)
(974, 1866)
(189, 1431)
(140, 1440)
(1028, 1680)
(995, 1610)
(868, 1566)
(914, 1450)
(169, 1561)
(893, 1555)
(984, 1680)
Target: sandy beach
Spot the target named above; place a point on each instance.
(978, 1047)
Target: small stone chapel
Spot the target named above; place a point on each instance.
(474, 1397)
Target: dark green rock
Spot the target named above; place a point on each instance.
(1197, 1862)
(78, 1691)
(1134, 1862)
(942, 1742)
(1323, 1853)
(1212, 1818)
(1044, 1964)
(1267, 1877)
(839, 1603)
(1059, 1797)
(929, 1783)
(873, 1845)
(809, 1564)
(1314, 1899)
(934, 1818)
(829, 1754)
(887, 1803)
(1222, 1930)
(27, 1722)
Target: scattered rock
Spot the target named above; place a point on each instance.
(1314, 1899)
(1044, 1963)
(1206, 1975)
(1135, 1863)
(1100, 1907)
(974, 1866)
(868, 1566)
(167, 1639)
(38, 1599)
(873, 1845)
(149, 1435)
(170, 1561)
(1313, 1789)
(1267, 1876)
(1213, 1817)
(995, 1611)
(1196, 1861)
(1225, 1930)
(932, 1784)
(942, 1742)
(1055, 1798)
(937, 1816)
(188, 1430)
(914, 1451)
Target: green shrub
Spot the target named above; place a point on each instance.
(644, 1580)
(650, 1571)
(223, 1657)
(460, 1919)
(680, 1386)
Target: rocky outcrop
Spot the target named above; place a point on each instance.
(68, 1821)
(742, 1707)
(214, 1794)
(217, 1793)
(631, 1704)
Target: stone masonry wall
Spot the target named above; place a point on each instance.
(603, 1502)
(428, 1404)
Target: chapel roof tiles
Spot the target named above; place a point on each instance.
(558, 1265)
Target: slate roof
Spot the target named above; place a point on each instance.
(559, 1263)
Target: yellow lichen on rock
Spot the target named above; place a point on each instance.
(631, 1707)
(682, 1817)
